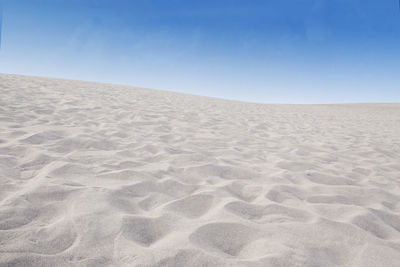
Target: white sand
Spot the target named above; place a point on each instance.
(105, 175)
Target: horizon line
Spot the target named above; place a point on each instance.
(179, 92)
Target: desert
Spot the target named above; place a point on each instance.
(98, 174)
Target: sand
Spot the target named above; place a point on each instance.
(106, 175)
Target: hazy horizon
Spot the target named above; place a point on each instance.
(265, 51)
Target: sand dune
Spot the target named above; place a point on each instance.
(105, 175)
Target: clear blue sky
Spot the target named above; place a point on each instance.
(272, 51)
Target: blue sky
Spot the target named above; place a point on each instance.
(271, 51)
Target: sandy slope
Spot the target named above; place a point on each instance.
(105, 175)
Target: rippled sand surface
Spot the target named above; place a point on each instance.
(105, 175)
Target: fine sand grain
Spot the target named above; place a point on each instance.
(106, 175)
